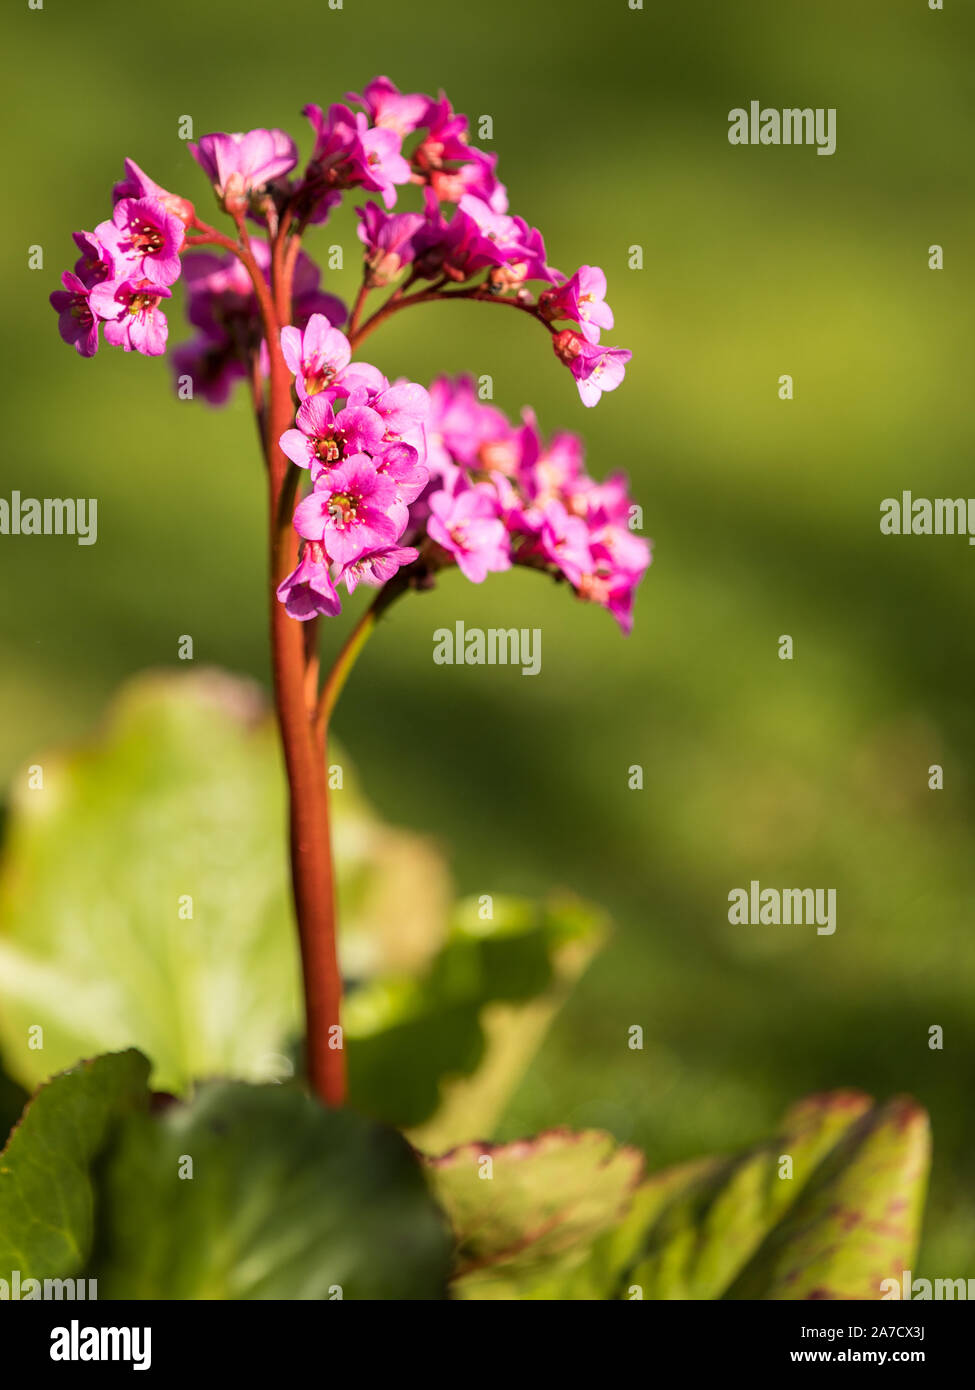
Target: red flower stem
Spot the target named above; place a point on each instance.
(294, 660)
(294, 691)
(394, 304)
(289, 240)
(357, 308)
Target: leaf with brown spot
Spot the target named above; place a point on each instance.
(848, 1217)
(538, 1213)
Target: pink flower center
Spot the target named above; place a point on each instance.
(318, 378)
(343, 507)
(147, 239)
(327, 449)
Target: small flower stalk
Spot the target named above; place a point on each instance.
(383, 484)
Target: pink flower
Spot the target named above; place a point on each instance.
(388, 106)
(620, 560)
(564, 540)
(77, 323)
(446, 137)
(213, 366)
(450, 166)
(221, 299)
(388, 239)
(136, 184)
(348, 510)
(455, 248)
(614, 592)
(468, 527)
(351, 154)
(384, 165)
(323, 437)
(617, 548)
(603, 503)
(478, 238)
(596, 369)
(239, 164)
(404, 409)
(507, 233)
(377, 566)
(556, 470)
(459, 425)
(95, 263)
(401, 462)
(580, 298)
(475, 176)
(308, 589)
(144, 240)
(321, 360)
(133, 319)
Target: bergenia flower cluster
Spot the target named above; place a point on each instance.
(398, 478)
(125, 270)
(401, 477)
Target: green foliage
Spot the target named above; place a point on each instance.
(843, 1218)
(529, 1211)
(180, 798)
(245, 1192)
(284, 1200)
(46, 1190)
(415, 1043)
(13, 1098)
(257, 1192)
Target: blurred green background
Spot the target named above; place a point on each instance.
(612, 126)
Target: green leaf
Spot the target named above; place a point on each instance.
(442, 1051)
(179, 807)
(283, 1200)
(46, 1193)
(13, 1098)
(858, 1222)
(180, 798)
(526, 1214)
(847, 1217)
(738, 1228)
(183, 797)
